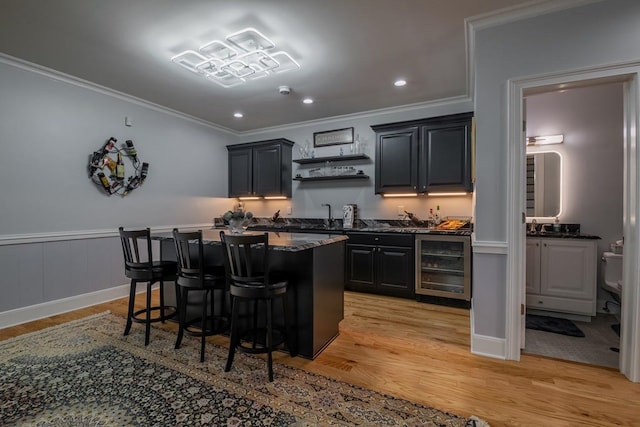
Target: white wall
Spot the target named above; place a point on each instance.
(592, 154)
(596, 34)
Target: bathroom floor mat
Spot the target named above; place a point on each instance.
(553, 324)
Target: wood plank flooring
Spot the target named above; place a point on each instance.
(421, 352)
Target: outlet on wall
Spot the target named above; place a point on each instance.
(400, 210)
(289, 210)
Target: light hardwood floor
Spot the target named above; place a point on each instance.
(421, 352)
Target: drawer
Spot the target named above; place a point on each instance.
(382, 239)
(562, 305)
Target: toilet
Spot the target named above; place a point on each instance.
(612, 274)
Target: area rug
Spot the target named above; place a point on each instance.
(86, 373)
(553, 324)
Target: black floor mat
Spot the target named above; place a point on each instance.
(616, 328)
(553, 324)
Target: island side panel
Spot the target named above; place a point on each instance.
(328, 301)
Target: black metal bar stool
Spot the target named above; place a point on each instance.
(196, 277)
(139, 266)
(250, 280)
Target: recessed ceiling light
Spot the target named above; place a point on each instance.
(400, 83)
(308, 101)
(238, 115)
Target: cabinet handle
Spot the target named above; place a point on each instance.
(537, 244)
(545, 245)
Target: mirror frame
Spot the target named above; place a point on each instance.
(547, 219)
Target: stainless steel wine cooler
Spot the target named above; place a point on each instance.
(443, 266)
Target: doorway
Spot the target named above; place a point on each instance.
(575, 176)
(630, 312)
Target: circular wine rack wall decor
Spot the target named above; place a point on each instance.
(108, 171)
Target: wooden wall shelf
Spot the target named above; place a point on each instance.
(330, 178)
(345, 157)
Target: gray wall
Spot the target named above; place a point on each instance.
(308, 197)
(57, 226)
(596, 34)
(49, 128)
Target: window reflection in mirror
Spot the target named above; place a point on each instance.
(544, 178)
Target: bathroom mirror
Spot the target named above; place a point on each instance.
(544, 177)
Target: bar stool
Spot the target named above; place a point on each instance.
(139, 266)
(250, 281)
(195, 276)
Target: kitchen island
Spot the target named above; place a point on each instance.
(314, 265)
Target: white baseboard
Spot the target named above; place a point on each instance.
(39, 311)
(493, 347)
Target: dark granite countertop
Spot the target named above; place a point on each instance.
(280, 241)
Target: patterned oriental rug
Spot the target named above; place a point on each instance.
(86, 373)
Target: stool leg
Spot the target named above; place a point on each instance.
(132, 301)
(233, 335)
(161, 288)
(203, 324)
(269, 308)
(147, 330)
(182, 315)
(255, 323)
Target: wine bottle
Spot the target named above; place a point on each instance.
(436, 217)
(105, 182)
(120, 167)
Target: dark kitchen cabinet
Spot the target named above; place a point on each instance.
(260, 168)
(397, 160)
(380, 263)
(426, 155)
(445, 156)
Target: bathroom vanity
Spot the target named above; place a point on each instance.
(561, 273)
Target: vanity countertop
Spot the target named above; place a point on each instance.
(561, 235)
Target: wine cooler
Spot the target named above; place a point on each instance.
(443, 264)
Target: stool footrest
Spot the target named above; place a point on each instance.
(140, 316)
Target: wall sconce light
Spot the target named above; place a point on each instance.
(245, 55)
(545, 140)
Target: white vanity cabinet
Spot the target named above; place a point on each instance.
(561, 275)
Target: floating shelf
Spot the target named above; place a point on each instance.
(330, 178)
(345, 157)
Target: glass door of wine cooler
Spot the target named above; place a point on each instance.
(443, 266)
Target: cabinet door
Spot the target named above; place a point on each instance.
(395, 271)
(240, 172)
(360, 268)
(397, 161)
(445, 157)
(533, 266)
(267, 170)
(568, 269)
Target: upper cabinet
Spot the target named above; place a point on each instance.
(260, 169)
(422, 156)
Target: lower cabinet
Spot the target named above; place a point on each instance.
(561, 275)
(380, 263)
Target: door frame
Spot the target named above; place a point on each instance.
(629, 73)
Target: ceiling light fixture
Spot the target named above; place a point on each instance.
(400, 83)
(545, 140)
(308, 101)
(238, 115)
(243, 56)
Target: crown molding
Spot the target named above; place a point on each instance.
(85, 84)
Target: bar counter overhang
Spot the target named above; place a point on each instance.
(314, 264)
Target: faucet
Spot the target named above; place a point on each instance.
(275, 216)
(533, 227)
(330, 222)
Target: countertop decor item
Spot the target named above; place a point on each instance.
(237, 220)
(109, 174)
